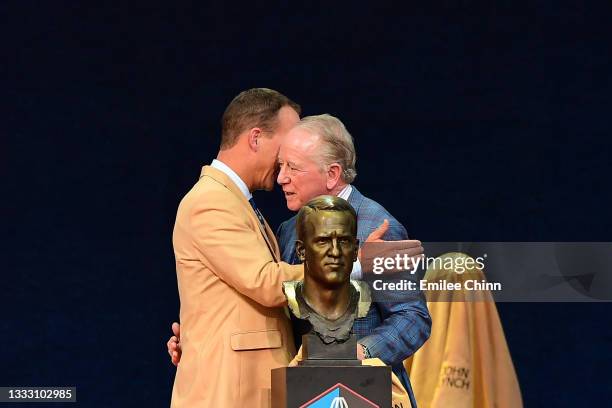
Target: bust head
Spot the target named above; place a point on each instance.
(327, 241)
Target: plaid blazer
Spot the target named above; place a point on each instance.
(390, 331)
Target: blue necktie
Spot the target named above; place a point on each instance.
(258, 213)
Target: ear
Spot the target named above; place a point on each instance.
(253, 138)
(300, 250)
(334, 173)
(356, 254)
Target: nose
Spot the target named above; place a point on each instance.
(283, 175)
(335, 248)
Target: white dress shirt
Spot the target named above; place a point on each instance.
(356, 273)
(219, 165)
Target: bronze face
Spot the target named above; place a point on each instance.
(328, 247)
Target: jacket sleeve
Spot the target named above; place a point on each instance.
(229, 246)
(405, 325)
(404, 328)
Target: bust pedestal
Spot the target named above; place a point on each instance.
(330, 376)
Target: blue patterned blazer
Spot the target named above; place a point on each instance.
(390, 331)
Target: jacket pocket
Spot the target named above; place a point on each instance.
(255, 340)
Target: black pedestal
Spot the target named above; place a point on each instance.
(310, 386)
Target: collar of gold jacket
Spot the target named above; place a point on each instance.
(221, 177)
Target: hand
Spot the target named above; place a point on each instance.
(174, 345)
(411, 247)
(378, 233)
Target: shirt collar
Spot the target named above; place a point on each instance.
(219, 165)
(346, 192)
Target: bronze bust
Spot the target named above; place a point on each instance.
(327, 244)
(327, 303)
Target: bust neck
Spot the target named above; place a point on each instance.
(331, 303)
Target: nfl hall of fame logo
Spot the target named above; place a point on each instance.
(339, 396)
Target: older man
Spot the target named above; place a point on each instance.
(318, 157)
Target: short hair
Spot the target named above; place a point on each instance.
(253, 107)
(336, 143)
(324, 203)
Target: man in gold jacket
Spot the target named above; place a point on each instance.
(233, 329)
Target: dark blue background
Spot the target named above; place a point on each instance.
(472, 121)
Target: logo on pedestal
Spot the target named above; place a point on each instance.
(339, 402)
(339, 396)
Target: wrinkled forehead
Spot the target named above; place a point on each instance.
(300, 140)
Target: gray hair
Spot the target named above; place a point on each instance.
(336, 143)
